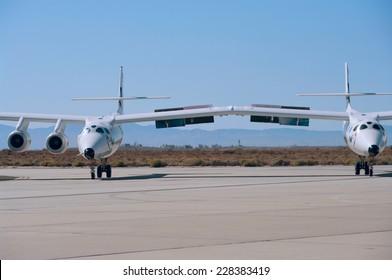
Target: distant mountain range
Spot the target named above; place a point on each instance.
(152, 137)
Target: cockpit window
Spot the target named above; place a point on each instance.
(376, 126)
(369, 122)
(100, 130)
(355, 128)
(106, 130)
(93, 126)
(364, 126)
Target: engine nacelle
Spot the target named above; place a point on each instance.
(19, 141)
(57, 143)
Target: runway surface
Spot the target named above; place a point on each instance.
(196, 213)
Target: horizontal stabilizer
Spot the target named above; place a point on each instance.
(119, 98)
(183, 121)
(344, 94)
(280, 120)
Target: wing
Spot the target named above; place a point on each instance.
(285, 115)
(384, 116)
(175, 117)
(43, 118)
(289, 112)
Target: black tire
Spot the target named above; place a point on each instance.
(99, 171)
(108, 171)
(92, 176)
(358, 168)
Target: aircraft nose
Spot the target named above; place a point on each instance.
(89, 153)
(374, 150)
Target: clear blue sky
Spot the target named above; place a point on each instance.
(198, 52)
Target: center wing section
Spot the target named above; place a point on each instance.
(180, 116)
(285, 115)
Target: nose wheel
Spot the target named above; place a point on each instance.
(367, 166)
(102, 168)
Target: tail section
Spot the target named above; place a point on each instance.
(121, 97)
(347, 94)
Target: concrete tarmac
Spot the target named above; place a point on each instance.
(196, 213)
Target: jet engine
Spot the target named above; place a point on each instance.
(57, 143)
(19, 141)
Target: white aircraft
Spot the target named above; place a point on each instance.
(362, 132)
(102, 136)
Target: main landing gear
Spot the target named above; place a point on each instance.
(103, 167)
(367, 166)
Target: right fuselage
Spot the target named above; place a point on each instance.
(365, 137)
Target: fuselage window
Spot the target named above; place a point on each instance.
(376, 126)
(364, 126)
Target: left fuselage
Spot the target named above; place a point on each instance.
(99, 138)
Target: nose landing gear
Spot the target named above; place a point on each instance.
(367, 166)
(103, 167)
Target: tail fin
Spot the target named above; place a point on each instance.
(348, 100)
(120, 100)
(347, 94)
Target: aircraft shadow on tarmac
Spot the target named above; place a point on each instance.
(219, 175)
(138, 177)
(7, 178)
(195, 176)
(386, 174)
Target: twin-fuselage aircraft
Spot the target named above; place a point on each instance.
(102, 136)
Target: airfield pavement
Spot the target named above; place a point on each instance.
(321, 212)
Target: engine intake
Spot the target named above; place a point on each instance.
(19, 141)
(57, 143)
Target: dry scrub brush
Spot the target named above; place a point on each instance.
(154, 157)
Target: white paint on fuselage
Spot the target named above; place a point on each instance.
(363, 132)
(100, 135)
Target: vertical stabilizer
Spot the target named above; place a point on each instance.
(120, 101)
(348, 101)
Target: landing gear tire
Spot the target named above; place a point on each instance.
(367, 169)
(358, 168)
(367, 166)
(99, 171)
(103, 167)
(92, 171)
(108, 171)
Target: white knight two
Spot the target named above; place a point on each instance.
(102, 136)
